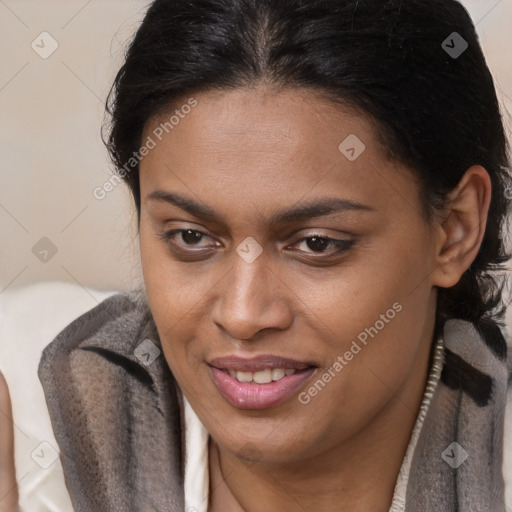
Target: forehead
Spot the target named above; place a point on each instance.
(259, 128)
(290, 120)
(267, 148)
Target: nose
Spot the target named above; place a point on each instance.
(253, 298)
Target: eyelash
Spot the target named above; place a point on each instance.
(342, 245)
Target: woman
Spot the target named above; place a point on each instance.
(321, 189)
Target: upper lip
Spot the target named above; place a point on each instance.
(258, 363)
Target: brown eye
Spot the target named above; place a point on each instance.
(321, 244)
(189, 237)
(317, 244)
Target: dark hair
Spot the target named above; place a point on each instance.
(435, 111)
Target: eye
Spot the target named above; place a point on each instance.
(319, 244)
(189, 237)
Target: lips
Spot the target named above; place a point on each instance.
(261, 382)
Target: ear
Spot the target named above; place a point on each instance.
(462, 227)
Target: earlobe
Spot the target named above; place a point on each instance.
(462, 230)
(452, 252)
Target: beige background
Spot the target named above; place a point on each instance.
(50, 151)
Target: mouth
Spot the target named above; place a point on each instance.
(259, 383)
(263, 376)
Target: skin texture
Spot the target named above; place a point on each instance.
(246, 154)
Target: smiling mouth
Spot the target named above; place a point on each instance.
(263, 376)
(260, 382)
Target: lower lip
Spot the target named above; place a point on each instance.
(258, 396)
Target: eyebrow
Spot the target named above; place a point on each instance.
(313, 209)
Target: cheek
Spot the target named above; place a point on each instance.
(172, 287)
(370, 362)
(177, 294)
(375, 319)
(167, 290)
(388, 272)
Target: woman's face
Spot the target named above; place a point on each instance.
(253, 184)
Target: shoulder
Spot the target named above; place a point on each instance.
(113, 403)
(30, 317)
(507, 428)
(107, 351)
(114, 324)
(507, 449)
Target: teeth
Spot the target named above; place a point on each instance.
(263, 376)
(244, 376)
(278, 373)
